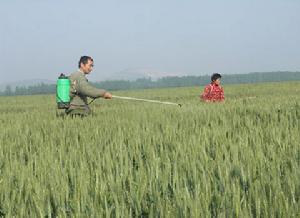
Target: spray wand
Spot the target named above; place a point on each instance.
(147, 100)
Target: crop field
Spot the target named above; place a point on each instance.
(240, 158)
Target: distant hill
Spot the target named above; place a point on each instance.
(132, 74)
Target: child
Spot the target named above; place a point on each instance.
(213, 92)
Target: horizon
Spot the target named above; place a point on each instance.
(37, 81)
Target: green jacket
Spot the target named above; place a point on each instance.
(80, 90)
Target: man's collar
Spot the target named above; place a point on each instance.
(81, 71)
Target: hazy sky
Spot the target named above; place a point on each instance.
(40, 39)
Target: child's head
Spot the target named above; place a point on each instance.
(216, 78)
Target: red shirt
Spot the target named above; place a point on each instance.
(212, 93)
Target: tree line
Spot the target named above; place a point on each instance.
(147, 83)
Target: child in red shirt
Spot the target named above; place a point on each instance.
(213, 92)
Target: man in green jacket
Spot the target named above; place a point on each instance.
(81, 89)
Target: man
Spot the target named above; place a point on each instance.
(213, 92)
(81, 89)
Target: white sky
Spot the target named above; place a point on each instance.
(40, 39)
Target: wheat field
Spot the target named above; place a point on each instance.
(240, 158)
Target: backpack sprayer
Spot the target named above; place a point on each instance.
(63, 92)
(63, 86)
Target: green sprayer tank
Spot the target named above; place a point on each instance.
(63, 92)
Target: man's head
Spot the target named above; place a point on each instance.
(86, 64)
(216, 78)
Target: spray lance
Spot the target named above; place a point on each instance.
(147, 100)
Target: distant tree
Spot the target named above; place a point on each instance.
(8, 91)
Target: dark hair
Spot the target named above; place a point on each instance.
(84, 60)
(215, 76)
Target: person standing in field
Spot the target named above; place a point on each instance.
(213, 92)
(81, 89)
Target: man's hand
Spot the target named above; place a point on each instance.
(107, 95)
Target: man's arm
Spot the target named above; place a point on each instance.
(85, 88)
